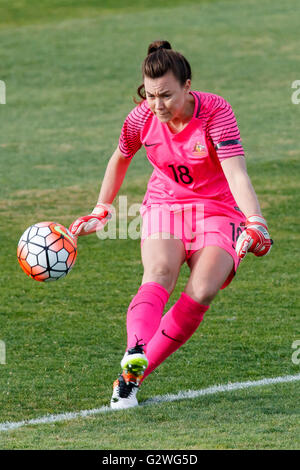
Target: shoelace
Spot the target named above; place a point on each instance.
(138, 348)
(125, 389)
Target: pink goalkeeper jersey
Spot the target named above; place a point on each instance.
(186, 165)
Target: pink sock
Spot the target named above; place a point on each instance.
(144, 313)
(176, 327)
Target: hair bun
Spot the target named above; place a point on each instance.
(156, 45)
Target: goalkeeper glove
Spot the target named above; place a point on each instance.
(92, 222)
(255, 238)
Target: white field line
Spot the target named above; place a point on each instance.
(230, 387)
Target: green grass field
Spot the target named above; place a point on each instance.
(71, 69)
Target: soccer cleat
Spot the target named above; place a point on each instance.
(126, 386)
(134, 363)
(124, 393)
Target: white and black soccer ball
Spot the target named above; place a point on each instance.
(47, 251)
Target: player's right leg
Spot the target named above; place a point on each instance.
(162, 260)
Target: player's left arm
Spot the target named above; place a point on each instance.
(224, 133)
(235, 171)
(255, 237)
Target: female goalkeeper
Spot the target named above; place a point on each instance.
(199, 207)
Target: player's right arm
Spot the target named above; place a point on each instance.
(113, 178)
(129, 144)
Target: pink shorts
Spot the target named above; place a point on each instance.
(195, 226)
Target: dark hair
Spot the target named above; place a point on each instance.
(161, 58)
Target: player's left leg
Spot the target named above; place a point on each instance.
(210, 267)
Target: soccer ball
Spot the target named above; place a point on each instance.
(47, 251)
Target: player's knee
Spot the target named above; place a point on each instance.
(163, 274)
(160, 270)
(203, 294)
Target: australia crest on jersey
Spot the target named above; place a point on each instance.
(199, 150)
